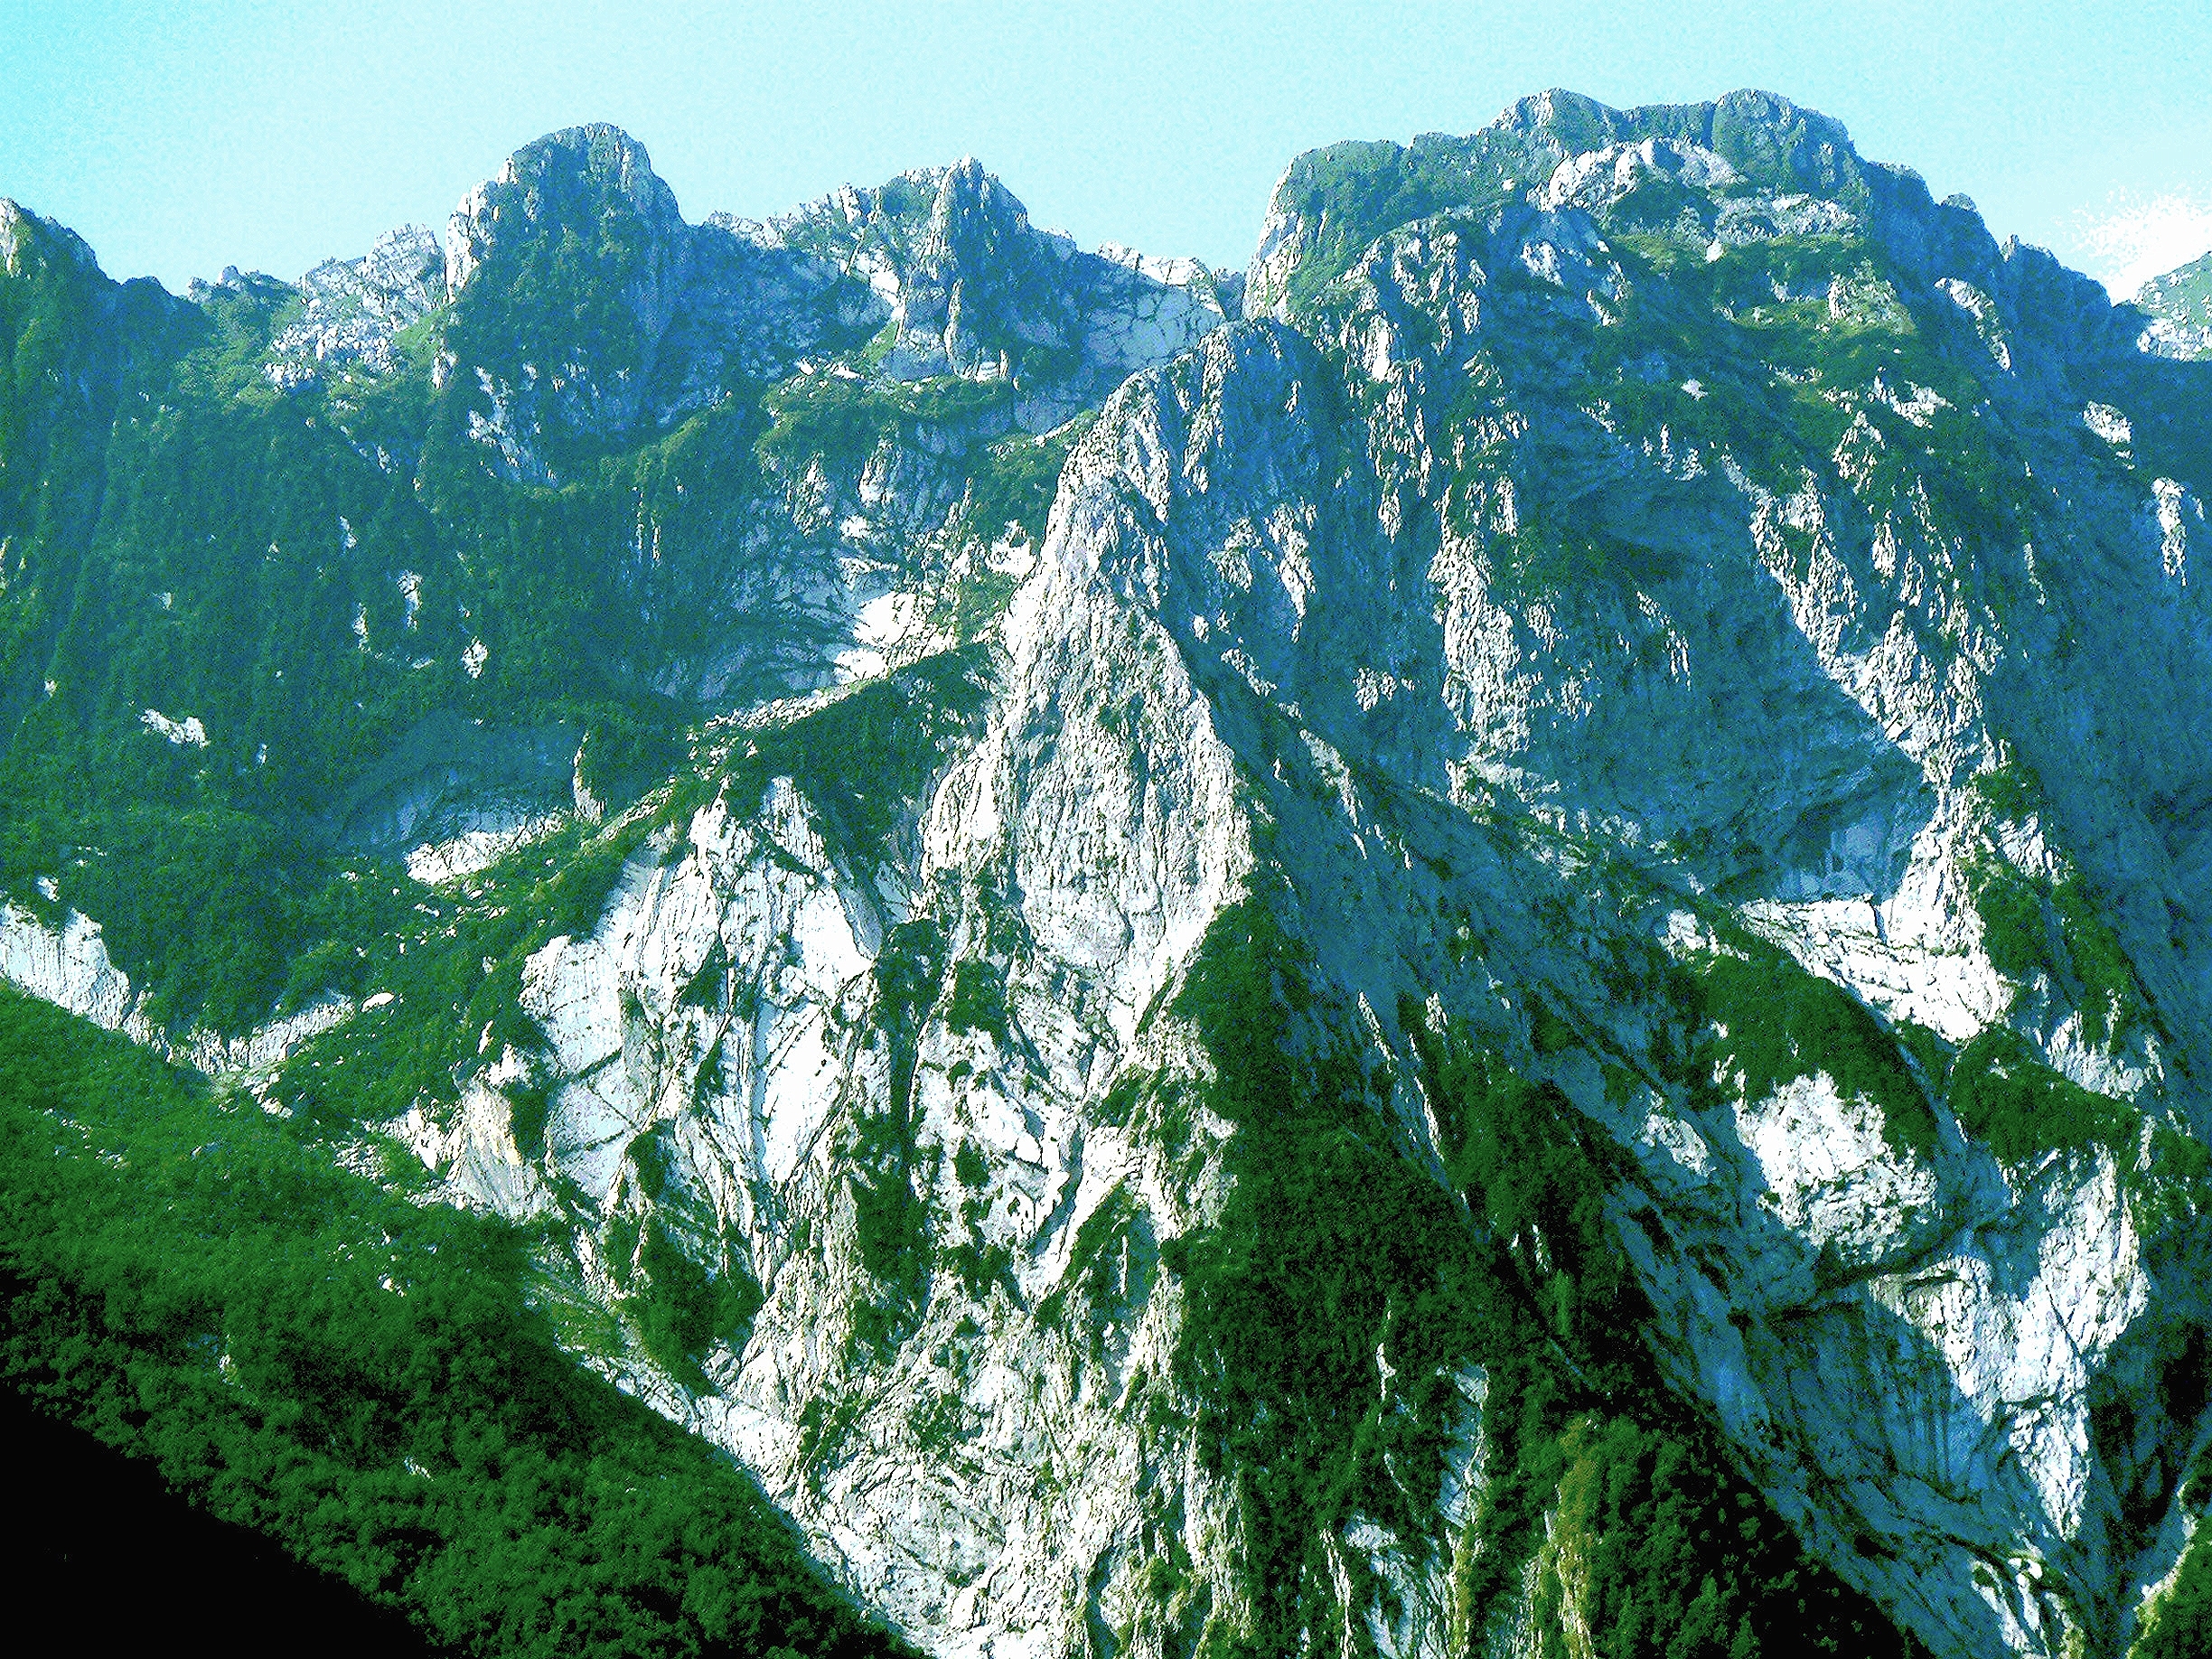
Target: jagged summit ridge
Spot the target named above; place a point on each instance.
(352, 310)
(1751, 156)
(1762, 134)
(976, 290)
(946, 258)
(575, 174)
(18, 224)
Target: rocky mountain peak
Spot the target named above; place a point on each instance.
(352, 310)
(1571, 120)
(976, 291)
(566, 274)
(1763, 137)
(975, 213)
(653, 315)
(20, 229)
(2179, 306)
(1737, 171)
(257, 287)
(1332, 201)
(596, 175)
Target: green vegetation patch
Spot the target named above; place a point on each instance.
(627, 750)
(889, 1175)
(2169, 1187)
(1766, 1022)
(678, 1309)
(978, 999)
(1544, 556)
(843, 422)
(1329, 1244)
(221, 916)
(2010, 793)
(452, 968)
(1110, 1266)
(1349, 194)
(1331, 1308)
(2015, 927)
(2008, 1098)
(864, 760)
(2177, 1624)
(1016, 481)
(360, 1378)
(1668, 1555)
(2031, 926)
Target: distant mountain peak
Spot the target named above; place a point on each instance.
(19, 226)
(2179, 306)
(595, 172)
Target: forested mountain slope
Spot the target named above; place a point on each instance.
(1496, 940)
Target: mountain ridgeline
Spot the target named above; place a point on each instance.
(2180, 305)
(1496, 939)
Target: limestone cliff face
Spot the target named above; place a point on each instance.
(944, 262)
(1566, 575)
(64, 960)
(354, 310)
(1639, 710)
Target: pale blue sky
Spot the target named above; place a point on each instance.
(179, 137)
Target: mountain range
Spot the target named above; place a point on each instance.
(1494, 940)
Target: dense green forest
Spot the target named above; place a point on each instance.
(1623, 1505)
(304, 1353)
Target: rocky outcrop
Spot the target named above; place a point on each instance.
(22, 231)
(352, 311)
(975, 291)
(453, 795)
(945, 261)
(580, 210)
(64, 960)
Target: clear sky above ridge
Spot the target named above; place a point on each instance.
(179, 137)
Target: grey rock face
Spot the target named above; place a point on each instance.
(1883, 687)
(975, 291)
(19, 227)
(578, 216)
(946, 261)
(351, 310)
